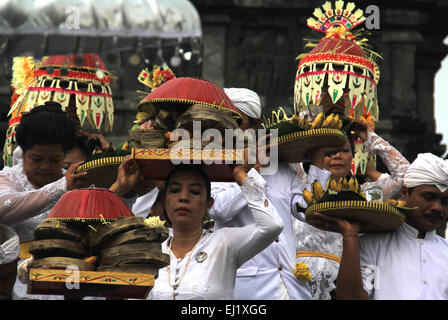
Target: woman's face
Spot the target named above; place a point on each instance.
(339, 163)
(42, 164)
(186, 200)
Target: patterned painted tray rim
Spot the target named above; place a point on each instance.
(92, 277)
(99, 219)
(188, 154)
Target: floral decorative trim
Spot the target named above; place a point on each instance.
(73, 75)
(87, 220)
(330, 15)
(156, 77)
(337, 58)
(72, 67)
(84, 93)
(334, 71)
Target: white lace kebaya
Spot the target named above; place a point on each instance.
(208, 271)
(396, 163)
(22, 205)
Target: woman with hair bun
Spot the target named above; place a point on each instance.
(30, 188)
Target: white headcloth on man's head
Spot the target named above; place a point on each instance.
(246, 100)
(9, 249)
(427, 169)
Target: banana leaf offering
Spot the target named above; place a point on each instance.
(344, 199)
(297, 135)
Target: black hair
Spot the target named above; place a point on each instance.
(91, 145)
(81, 143)
(46, 124)
(306, 165)
(347, 126)
(189, 168)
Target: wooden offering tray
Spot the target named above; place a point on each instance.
(91, 283)
(156, 164)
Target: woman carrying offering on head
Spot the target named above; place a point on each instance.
(203, 264)
(322, 250)
(29, 189)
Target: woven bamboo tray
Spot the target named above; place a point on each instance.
(292, 147)
(101, 173)
(373, 216)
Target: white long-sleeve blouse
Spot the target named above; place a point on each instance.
(212, 267)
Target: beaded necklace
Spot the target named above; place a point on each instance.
(177, 283)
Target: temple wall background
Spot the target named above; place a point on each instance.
(253, 44)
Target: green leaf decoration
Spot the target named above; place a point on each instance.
(284, 127)
(331, 195)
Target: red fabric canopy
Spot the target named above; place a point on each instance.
(90, 204)
(194, 91)
(341, 46)
(87, 60)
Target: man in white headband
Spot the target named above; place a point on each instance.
(411, 262)
(9, 256)
(428, 169)
(248, 102)
(270, 274)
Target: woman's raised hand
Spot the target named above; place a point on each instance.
(361, 129)
(128, 177)
(75, 180)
